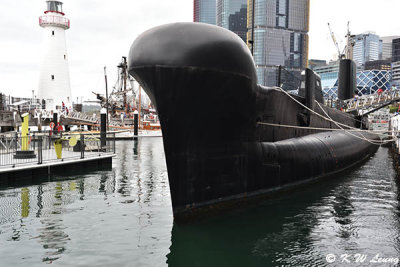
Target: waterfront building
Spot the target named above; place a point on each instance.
(329, 78)
(387, 43)
(378, 65)
(367, 47)
(280, 37)
(396, 74)
(368, 81)
(396, 50)
(54, 83)
(205, 11)
(315, 63)
(232, 15)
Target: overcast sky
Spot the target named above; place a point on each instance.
(102, 31)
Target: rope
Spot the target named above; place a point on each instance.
(335, 122)
(348, 132)
(307, 128)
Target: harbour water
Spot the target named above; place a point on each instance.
(123, 217)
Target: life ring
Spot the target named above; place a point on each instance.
(52, 125)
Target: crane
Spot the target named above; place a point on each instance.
(340, 54)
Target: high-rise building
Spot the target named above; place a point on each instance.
(205, 11)
(54, 84)
(396, 73)
(315, 63)
(387, 43)
(378, 65)
(280, 37)
(396, 50)
(232, 15)
(367, 47)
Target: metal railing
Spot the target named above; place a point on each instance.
(54, 20)
(371, 101)
(40, 148)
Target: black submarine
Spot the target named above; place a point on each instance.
(226, 138)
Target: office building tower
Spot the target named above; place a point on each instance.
(205, 11)
(367, 47)
(315, 63)
(378, 65)
(396, 50)
(280, 39)
(387, 43)
(232, 15)
(396, 73)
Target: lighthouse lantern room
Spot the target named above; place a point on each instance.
(54, 84)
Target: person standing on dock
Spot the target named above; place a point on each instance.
(59, 128)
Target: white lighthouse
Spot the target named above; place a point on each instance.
(54, 85)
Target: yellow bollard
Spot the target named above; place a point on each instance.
(24, 202)
(25, 131)
(58, 148)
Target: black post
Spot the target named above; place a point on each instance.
(55, 120)
(114, 143)
(136, 125)
(103, 128)
(82, 146)
(105, 77)
(40, 142)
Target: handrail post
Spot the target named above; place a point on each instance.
(82, 146)
(40, 159)
(114, 143)
(16, 141)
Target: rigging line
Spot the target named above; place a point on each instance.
(348, 132)
(323, 117)
(346, 115)
(371, 132)
(302, 127)
(337, 123)
(307, 128)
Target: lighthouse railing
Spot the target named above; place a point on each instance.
(49, 20)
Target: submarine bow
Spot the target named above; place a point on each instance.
(202, 80)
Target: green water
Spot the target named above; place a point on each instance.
(123, 217)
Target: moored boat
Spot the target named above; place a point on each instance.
(238, 140)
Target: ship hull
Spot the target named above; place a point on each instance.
(227, 139)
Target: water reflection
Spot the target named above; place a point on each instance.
(24, 202)
(123, 217)
(52, 235)
(355, 213)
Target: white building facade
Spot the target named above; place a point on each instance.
(54, 80)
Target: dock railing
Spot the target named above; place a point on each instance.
(39, 148)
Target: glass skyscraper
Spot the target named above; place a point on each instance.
(387, 42)
(205, 11)
(367, 47)
(280, 37)
(232, 15)
(396, 50)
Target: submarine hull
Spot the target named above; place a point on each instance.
(227, 139)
